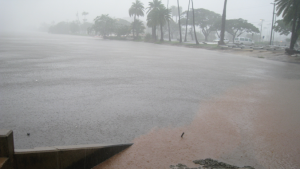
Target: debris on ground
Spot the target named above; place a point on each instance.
(210, 164)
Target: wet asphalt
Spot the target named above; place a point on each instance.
(68, 90)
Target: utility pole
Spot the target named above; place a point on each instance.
(272, 24)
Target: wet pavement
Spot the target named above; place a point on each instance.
(68, 90)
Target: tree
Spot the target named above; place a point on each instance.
(84, 16)
(237, 27)
(187, 20)
(60, 28)
(104, 25)
(121, 27)
(136, 10)
(153, 16)
(289, 10)
(206, 20)
(121, 30)
(139, 26)
(179, 24)
(282, 27)
(197, 43)
(164, 17)
(223, 27)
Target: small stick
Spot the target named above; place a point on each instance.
(182, 134)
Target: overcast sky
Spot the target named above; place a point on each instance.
(27, 14)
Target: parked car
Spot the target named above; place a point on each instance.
(225, 40)
(243, 41)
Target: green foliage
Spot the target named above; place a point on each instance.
(148, 37)
(105, 25)
(285, 7)
(237, 27)
(208, 21)
(153, 13)
(74, 27)
(138, 25)
(70, 27)
(283, 28)
(289, 9)
(153, 17)
(122, 30)
(136, 9)
(60, 28)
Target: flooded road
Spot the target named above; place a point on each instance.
(67, 90)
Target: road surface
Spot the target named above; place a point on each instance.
(68, 90)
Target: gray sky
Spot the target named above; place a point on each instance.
(28, 14)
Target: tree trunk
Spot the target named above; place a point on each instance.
(294, 32)
(221, 42)
(179, 22)
(169, 24)
(153, 32)
(161, 33)
(206, 38)
(192, 35)
(187, 18)
(218, 34)
(197, 43)
(133, 26)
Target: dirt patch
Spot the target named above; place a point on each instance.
(276, 55)
(253, 125)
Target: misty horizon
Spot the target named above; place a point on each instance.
(29, 15)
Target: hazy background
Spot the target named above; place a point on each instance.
(29, 14)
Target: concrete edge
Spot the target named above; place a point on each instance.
(67, 148)
(5, 133)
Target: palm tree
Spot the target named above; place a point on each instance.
(179, 22)
(153, 15)
(139, 26)
(197, 43)
(187, 19)
(136, 10)
(164, 17)
(221, 42)
(289, 10)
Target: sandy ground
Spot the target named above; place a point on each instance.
(251, 125)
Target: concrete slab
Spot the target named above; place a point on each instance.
(37, 160)
(66, 157)
(4, 132)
